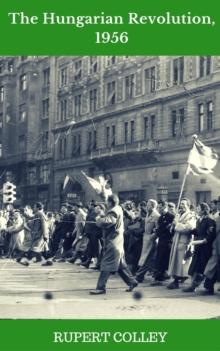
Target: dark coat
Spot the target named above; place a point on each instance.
(134, 249)
(205, 229)
(164, 235)
(39, 232)
(113, 239)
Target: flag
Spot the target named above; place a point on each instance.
(67, 183)
(100, 186)
(95, 184)
(202, 159)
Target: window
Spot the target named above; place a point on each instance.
(91, 141)
(174, 123)
(93, 100)
(32, 176)
(129, 87)
(150, 80)
(93, 64)
(178, 122)
(203, 196)
(62, 148)
(204, 66)
(146, 128)
(63, 76)
(22, 113)
(46, 76)
(45, 140)
(63, 110)
(126, 132)
(46, 107)
(107, 136)
(175, 175)
(181, 121)
(110, 136)
(21, 143)
(2, 93)
(77, 105)
(111, 93)
(44, 174)
(94, 140)
(113, 136)
(76, 145)
(201, 117)
(79, 144)
(23, 82)
(178, 70)
(132, 131)
(78, 70)
(209, 115)
(111, 60)
(153, 126)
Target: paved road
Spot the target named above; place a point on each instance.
(22, 295)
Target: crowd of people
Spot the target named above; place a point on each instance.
(151, 238)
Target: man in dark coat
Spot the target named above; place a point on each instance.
(94, 234)
(63, 226)
(40, 232)
(136, 230)
(164, 235)
(205, 234)
(113, 247)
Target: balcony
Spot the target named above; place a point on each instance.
(144, 145)
(140, 152)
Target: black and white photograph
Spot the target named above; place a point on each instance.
(109, 187)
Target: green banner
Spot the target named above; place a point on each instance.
(117, 335)
(141, 27)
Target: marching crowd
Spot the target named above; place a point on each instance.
(151, 238)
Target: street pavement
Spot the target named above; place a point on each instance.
(62, 291)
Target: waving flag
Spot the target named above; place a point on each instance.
(100, 186)
(202, 159)
(95, 184)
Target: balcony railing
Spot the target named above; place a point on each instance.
(143, 145)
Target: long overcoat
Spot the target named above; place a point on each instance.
(113, 239)
(39, 233)
(16, 230)
(183, 231)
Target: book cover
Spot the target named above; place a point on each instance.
(109, 175)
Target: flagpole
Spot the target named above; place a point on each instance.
(182, 186)
(185, 176)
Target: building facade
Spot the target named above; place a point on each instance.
(129, 118)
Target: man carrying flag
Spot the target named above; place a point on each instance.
(202, 160)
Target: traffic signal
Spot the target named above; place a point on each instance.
(9, 193)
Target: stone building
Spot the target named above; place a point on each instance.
(27, 115)
(130, 118)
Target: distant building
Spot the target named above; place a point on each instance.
(130, 118)
(27, 86)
